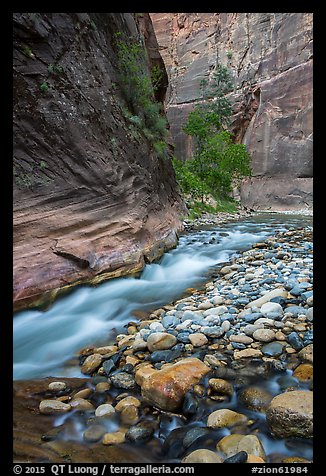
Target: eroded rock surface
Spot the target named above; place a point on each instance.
(92, 200)
(270, 55)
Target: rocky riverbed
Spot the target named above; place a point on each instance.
(222, 375)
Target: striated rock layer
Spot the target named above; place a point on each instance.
(91, 198)
(270, 55)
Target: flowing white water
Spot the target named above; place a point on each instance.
(45, 340)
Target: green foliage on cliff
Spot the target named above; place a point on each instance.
(217, 163)
(139, 86)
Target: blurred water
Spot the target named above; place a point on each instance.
(45, 340)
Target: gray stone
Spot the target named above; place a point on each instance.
(123, 380)
(273, 349)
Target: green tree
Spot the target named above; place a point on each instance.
(139, 85)
(217, 161)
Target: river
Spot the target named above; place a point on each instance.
(44, 341)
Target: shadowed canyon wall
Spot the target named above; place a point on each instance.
(92, 200)
(270, 55)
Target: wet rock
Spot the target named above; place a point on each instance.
(104, 410)
(91, 364)
(221, 386)
(160, 341)
(252, 445)
(129, 415)
(287, 382)
(255, 459)
(166, 388)
(290, 414)
(57, 386)
(304, 372)
(229, 444)
(240, 457)
(225, 418)
(232, 444)
(141, 432)
(53, 434)
(84, 393)
(115, 438)
(172, 446)
(108, 366)
(125, 402)
(190, 404)
(212, 361)
(81, 404)
(202, 456)
(102, 387)
(50, 407)
(94, 433)
(195, 434)
(295, 459)
(123, 380)
(255, 398)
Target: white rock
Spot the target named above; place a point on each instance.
(217, 311)
(50, 407)
(57, 386)
(157, 327)
(267, 297)
(271, 307)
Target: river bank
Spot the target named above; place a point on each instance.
(225, 372)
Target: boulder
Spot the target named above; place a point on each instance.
(290, 414)
(166, 388)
